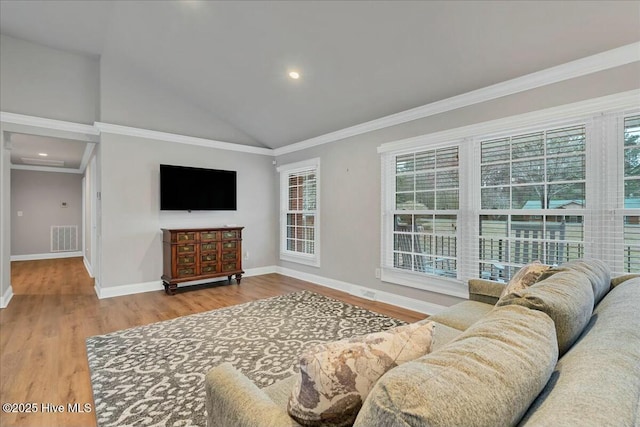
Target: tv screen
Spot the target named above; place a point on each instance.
(195, 189)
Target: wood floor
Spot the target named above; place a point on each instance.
(43, 361)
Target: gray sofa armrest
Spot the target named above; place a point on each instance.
(486, 291)
(232, 400)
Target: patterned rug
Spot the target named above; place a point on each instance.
(153, 375)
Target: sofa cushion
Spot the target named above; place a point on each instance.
(488, 376)
(335, 378)
(598, 273)
(525, 277)
(232, 399)
(615, 281)
(443, 335)
(566, 297)
(462, 315)
(486, 291)
(280, 391)
(600, 375)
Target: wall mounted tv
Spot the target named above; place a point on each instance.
(195, 189)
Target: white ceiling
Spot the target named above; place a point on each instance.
(359, 60)
(66, 154)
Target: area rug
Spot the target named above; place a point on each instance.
(153, 375)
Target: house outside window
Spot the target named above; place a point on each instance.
(299, 212)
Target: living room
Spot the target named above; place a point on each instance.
(546, 67)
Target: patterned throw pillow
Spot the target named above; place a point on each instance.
(335, 378)
(525, 277)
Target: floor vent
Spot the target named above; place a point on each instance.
(64, 238)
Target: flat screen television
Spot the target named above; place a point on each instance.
(185, 188)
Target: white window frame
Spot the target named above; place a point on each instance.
(425, 281)
(510, 212)
(623, 211)
(285, 172)
(604, 120)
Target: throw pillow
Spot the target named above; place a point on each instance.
(335, 378)
(525, 277)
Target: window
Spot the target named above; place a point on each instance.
(422, 215)
(532, 197)
(299, 224)
(631, 177)
(480, 201)
(425, 220)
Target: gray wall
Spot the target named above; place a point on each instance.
(131, 217)
(39, 196)
(44, 82)
(350, 177)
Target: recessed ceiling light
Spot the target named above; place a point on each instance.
(294, 75)
(43, 154)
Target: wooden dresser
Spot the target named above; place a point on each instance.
(191, 254)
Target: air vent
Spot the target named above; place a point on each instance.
(64, 238)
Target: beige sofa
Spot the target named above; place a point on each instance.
(563, 352)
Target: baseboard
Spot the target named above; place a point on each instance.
(122, 290)
(156, 285)
(356, 290)
(364, 292)
(87, 266)
(6, 297)
(259, 271)
(48, 255)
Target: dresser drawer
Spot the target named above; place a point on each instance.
(212, 257)
(208, 269)
(229, 256)
(231, 234)
(209, 247)
(181, 249)
(186, 259)
(189, 236)
(186, 271)
(229, 266)
(208, 236)
(230, 245)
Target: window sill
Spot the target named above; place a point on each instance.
(312, 260)
(425, 282)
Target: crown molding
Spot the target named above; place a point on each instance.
(46, 169)
(602, 61)
(86, 156)
(180, 139)
(629, 100)
(41, 122)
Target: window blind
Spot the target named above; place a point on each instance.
(299, 213)
(532, 191)
(421, 212)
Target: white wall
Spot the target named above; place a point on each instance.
(131, 216)
(5, 223)
(350, 177)
(39, 197)
(44, 82)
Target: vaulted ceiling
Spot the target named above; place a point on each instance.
(358, 60)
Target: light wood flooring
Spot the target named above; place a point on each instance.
(54, 309)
